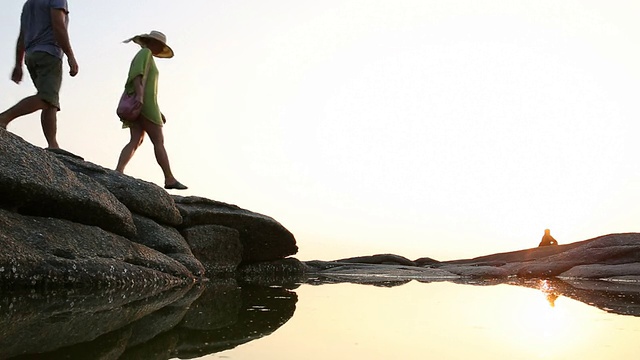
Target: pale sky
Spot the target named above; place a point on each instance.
(447, 129)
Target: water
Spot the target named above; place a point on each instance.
(445, 321)
(402, 320)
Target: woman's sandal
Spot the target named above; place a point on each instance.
(176, 185)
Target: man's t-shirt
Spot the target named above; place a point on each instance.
(36, 27)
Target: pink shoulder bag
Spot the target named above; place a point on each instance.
(128, 107)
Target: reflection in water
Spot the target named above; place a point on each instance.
(547, 288)
(622, 298)
(182, 322)
(220, 315)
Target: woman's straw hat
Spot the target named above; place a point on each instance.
(167, 52)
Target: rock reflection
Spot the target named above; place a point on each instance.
(180, 323)
(614, 297)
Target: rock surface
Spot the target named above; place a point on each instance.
(139, 196)
(262, 238)
(614, 257)
(40, 252)
(218, 247)
(35, 182)
(67, 222)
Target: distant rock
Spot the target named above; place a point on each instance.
(379, 259)
(614, 257)
(570, 259)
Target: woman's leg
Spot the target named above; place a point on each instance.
(137, 135)
(157, 138)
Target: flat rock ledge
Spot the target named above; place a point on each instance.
(66, 222)
(603, 272)
(614, 257)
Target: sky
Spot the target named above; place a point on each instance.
(423, 128)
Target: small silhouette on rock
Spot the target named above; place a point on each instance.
(547, 239)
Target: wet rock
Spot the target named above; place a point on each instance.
(34, 182)
(286, 272)
(478, 272)
(262, 238)
(372, 274)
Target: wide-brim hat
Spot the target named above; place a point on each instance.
(166, 52)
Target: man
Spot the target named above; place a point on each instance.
(42, 42)
(547, 239)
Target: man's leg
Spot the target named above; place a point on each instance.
(49, 120)
(25, 106)
(46, 73)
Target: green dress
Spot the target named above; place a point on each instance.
(150, 108)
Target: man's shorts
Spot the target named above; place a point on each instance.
(46, 73)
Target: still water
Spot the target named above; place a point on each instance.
(444, 321)
(407, 320)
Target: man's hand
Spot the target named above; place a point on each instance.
(16, 75)
(73, 66)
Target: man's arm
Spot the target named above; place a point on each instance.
(16, 76)
(58, 22)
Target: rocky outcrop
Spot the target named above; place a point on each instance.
(614, 257)
(41, 252)
(262, 238)
(67, 222)
(34, 182)
(611, 257)
(141, 197)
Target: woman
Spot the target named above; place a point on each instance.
(151, 119)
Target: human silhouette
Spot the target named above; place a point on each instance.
(42, 43)
(151, 119)
(547, 239)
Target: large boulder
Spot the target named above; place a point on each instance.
(217, 247)
(52, 252)
(34, 182)
(262, 238)
(139, 196)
